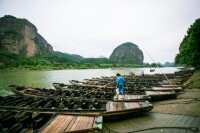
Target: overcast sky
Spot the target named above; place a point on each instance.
(93, 28)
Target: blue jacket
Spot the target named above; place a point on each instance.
(120, 81)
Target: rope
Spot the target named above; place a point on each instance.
(159, 68)
(194, 129)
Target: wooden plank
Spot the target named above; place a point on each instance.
(64, 124)
(108, 106)
(94, 123)
(86, 121)
(113, 106)
(57, 125)
(170, 121)
(188, 123)
(198, 126)
(71, 124)
(129, 105)
(181, 123)
(165, 120)
(50, 127)
(126, 96)
(89, 122)
(137, 105)
(174, 123)
(156, 118)
(119, 106)
(60, 126)
(80, 123)
(126, 106)
(196, 122)
(75, 124)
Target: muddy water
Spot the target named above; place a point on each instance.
(45, 78)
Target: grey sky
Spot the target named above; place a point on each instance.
(92, 28)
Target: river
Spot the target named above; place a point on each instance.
(45, 78)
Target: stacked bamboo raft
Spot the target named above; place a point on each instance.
(83, 105)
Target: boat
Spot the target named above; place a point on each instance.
(122, 110)
(152, 69)
(161, 95)
(75, 93)
(73, 123)
(164, 88)
(108, 109)
(86, 84)
(60, 85)
(96, 89)
(20, 121)
(111, 85)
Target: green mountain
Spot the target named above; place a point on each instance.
(21, 46)
(127, 53)
(74, 57)
(96, 60)
(189, 50)
(19, 36)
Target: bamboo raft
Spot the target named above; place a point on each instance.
(74, 107)
(161, 95)
(78, 111)
(20, 121)
(76, 94)
(167, 88)
(72, 123)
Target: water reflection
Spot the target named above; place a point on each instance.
(45, 78)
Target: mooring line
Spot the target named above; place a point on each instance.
(159, 68)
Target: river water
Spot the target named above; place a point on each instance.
(45, 78)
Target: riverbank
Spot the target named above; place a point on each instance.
(165, 113)
(194, 80)
(180, 113)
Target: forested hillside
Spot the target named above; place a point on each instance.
(189, 50)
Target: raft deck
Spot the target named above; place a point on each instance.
(71, 123)
(132, 97)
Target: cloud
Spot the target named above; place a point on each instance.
(92, 28)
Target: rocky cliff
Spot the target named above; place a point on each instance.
(127, 53)
(19, 36)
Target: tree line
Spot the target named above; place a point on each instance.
(57, 60)
(189, 50)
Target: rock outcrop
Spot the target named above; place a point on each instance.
(19, 36)
(127, 53)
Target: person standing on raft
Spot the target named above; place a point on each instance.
(120, 82)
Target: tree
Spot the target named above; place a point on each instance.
(189, 51)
